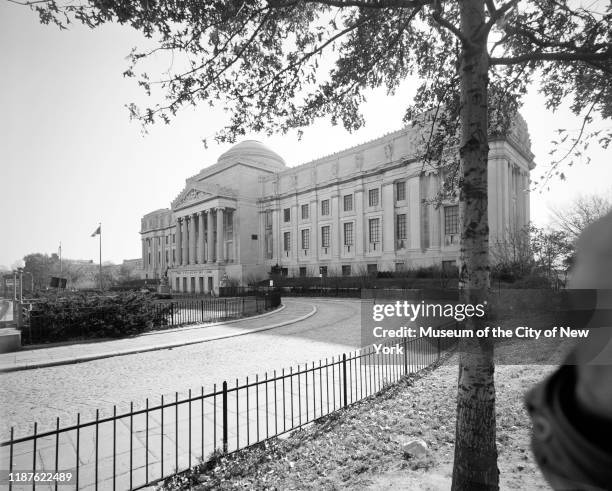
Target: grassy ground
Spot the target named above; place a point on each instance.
(361, 447)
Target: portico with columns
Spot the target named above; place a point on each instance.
(210, 232)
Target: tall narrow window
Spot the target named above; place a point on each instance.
(287, 214)
(325, 207)
(451, 220)
(400, 226)
(287, 241)
(373, 197)
(304, 212)
(400, 191)
(348, 234)
(268, 218)
(348, 202)
(306, 239)
(325, 236)
(374, 226)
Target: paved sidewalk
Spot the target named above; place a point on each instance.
(292, 311)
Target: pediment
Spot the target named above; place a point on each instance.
(197, 192)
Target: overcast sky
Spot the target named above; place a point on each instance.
(70, 157)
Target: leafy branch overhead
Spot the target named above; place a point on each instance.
(280, 64)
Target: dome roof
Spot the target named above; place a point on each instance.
(252, 151)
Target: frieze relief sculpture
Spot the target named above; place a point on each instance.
(389, 151)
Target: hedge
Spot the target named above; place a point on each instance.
(100, 316)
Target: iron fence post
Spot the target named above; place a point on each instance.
(344, 379)
(172, 313)
(224, 417)
(405, 343)
(202, 310)
(438, 349)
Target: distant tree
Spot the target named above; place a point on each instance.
(275, 65)
(74, 272)
(512, 256)
(551, 250)
(110, 276)
(41, 267)
(574, 217)
(127, 272)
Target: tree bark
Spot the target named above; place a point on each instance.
(475, 464)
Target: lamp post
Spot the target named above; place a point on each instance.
(20, 270)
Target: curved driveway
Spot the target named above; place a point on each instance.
(45, 393)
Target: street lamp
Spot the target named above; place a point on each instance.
(20, 271)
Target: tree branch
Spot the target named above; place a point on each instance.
(552, 56)
(496, 14)
(372, 4)
(437, 16)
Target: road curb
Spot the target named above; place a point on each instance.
(82, 359)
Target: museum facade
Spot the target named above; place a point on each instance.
(365, 209)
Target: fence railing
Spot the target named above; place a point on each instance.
(147, 444)
(78, 323)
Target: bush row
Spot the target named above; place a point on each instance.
(100, 316)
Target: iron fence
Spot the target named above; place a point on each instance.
(144, 445)
(39, 326)
(191, 311)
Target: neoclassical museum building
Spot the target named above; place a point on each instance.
(364, 209)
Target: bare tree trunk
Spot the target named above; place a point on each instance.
(475, 465)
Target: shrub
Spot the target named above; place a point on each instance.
(99, 316)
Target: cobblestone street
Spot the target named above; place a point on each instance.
(84, 387)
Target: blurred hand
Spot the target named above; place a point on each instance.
(593, 270)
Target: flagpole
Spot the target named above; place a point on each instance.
(100, 234)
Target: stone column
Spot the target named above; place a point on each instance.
(185, 241)
(315, 241)
(162, 253)
(336, 235)
(210, 247)
(388, 220)
(178, 247)
(277, 238)
(201, 237)
(154, 253)
(231, 252)
(359, 237)
(144, 254)
(220, 236)
(192, 239)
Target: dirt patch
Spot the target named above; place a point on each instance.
(361, 447)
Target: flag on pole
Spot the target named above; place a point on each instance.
(98, 231)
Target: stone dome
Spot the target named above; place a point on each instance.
(252, 151)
